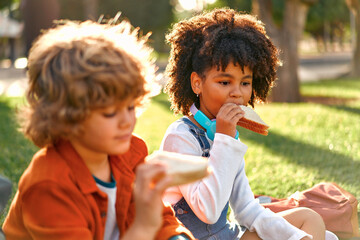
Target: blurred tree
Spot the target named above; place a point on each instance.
(239, 5)
(37, 16)
(79, 10)
(150, 15)
(6, 3)
(354, 6)
(91, 8)
(286, 36)
(326, 22)
(75, 12)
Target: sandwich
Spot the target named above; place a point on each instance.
(253, 122)
(182, 168)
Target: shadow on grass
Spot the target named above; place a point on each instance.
(330, 165)
(333, 102)
(346, 108)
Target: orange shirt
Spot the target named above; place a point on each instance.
(58, 198)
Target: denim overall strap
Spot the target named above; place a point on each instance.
(222, 229)
(200, 135)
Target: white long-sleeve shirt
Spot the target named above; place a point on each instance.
(208, 197)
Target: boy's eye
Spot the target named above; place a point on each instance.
(131, 107)
(110, 114)
(113, 113)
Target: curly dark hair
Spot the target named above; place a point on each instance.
(214, 39)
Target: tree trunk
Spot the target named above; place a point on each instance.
(354, 6)
(38, 15)
(286, 38)
(287, 89)
(91, 8)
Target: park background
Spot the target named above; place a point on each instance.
(313, 112)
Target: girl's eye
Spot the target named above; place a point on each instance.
(245, 83)
(224, 83)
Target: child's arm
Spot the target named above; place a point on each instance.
(149, 206)
(249, 213)
(49, 211)
(152, 218)
(208, 197)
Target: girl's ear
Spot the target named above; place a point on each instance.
(196, 83)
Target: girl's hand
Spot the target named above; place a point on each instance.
(226, 119)
(150, 184)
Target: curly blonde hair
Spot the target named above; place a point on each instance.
(214, 39)
(75, 68)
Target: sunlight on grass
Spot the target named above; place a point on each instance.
(307, 143)
(343, 88)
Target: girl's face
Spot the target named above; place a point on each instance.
(107, 131)
(220, 87)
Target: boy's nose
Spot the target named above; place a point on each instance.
(126, 119)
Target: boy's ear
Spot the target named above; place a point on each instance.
(196, 83)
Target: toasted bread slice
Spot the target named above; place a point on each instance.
(252, 121)
(182, 168)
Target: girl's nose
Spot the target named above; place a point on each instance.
(236, 92)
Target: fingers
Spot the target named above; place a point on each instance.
(150, 184)
(151, 179)
(230, 112)
(227, 118)
(162, 184)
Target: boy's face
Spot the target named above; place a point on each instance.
(107, 131)
(220, 87)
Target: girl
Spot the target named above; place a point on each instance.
(220, 60)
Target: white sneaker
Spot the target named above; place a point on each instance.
(330, 236)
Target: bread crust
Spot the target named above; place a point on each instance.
(253, 122)
(182, 168)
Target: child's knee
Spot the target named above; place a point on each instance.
(303, 217)
(310, 216)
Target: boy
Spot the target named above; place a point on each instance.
(85, 80)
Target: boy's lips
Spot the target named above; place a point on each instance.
(123, 136)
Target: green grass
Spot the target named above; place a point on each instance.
(152, 124)
(307, 143)
(341, 88)
(15, 150)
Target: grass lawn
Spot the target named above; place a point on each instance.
(309, 142)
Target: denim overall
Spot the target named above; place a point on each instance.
(222, 229)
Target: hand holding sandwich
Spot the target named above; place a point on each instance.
(150, 184)
(227, 118)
